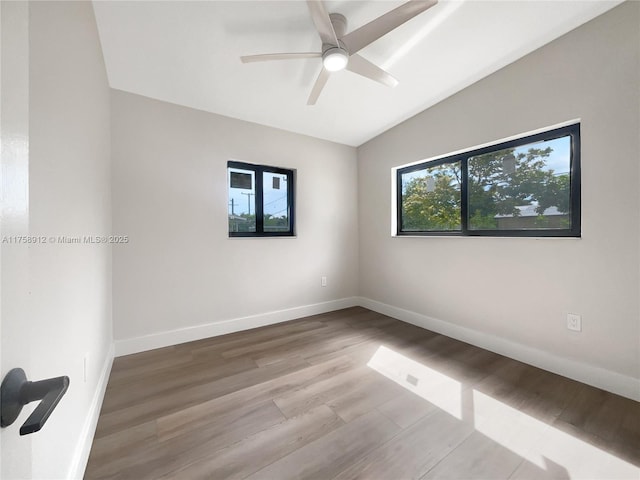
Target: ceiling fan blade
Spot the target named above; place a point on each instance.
(322, 22)
(369, 33)
(364, 67)
(318, 86)
(279, 56)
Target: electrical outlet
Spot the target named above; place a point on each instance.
(323, 281)
(574, 322)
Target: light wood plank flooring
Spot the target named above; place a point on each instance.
(354, 394)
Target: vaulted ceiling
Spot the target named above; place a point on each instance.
(188, 53)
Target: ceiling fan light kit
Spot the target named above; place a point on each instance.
(339, 49)
(335, 59)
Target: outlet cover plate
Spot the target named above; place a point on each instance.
(574, 322)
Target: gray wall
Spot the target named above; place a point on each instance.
(69, 194)
(180, 269)
(518, 289)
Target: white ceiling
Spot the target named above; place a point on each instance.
(188, 53)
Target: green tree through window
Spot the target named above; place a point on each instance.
(525, 187)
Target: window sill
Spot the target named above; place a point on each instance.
(263, 237)
(486, 237)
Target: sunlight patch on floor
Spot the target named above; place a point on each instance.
(540, 444)
(441, 390)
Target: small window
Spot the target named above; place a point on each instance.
(524, 187)
(260, 200)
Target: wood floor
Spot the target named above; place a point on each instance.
(354, 394)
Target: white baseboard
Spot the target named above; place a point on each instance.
(198, 332)
(598, 377)
(83, 447)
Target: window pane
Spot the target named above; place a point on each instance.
(242, 200)
(431, 199)
(275, 192)
(521, 188)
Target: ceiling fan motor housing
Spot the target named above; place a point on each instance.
(339, 23)
(336, 57)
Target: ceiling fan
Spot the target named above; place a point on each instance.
(339, 51)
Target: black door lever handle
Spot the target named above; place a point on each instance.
(16, 391)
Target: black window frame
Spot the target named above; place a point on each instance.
(259, 170)
(572, 130)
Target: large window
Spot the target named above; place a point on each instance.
(524, 187)
(260, 200)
